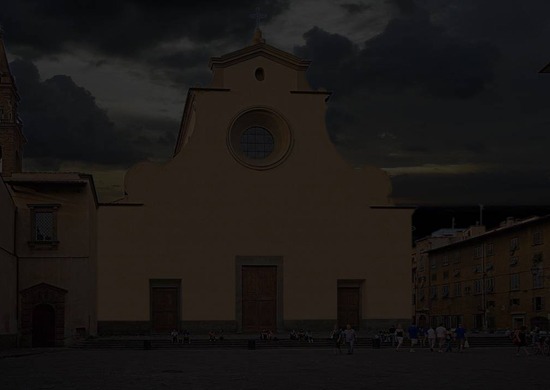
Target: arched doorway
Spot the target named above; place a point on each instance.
(43, 326)
(43, 316)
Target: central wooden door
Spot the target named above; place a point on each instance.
(164, 309)
(259, 299)
(348, 306)
(43, 326)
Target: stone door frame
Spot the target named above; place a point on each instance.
(241, 261)
(40, 294)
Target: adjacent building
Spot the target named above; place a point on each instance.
(486, 280)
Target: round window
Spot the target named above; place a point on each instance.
(257, 142)
(259, 138)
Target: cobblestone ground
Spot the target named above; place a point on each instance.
(274, 369)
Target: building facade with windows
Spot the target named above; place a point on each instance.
(494, 280)
(255, 222)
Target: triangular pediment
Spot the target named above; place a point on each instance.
(259, 49)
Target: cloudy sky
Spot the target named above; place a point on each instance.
(445, 95)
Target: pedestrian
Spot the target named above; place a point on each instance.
(350, 337)
(413, 335)
(399, 333)
(174, 335)
(441, 333)
(422, 336)
(431, 338)
(391, 332)
(520, 340)
(337, 336)
(460, 334)
(448, 340)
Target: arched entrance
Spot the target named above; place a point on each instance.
(43, 326)
(43, 316)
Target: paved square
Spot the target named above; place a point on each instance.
(491, 368)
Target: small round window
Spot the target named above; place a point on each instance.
(257, 142)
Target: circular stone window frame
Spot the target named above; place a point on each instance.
(270, 120)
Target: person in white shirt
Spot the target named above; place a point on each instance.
(441, 333)
(431, 338)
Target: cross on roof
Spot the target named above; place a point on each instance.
(258, 16)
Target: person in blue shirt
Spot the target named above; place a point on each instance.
(460, 334)
(413, 335)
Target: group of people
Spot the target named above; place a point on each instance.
(341, 336)
(267, 335)
(301, 335)
(185, 337)
(441, 337)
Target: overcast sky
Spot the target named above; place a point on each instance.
(443, 94)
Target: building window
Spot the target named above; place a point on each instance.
(456, 273)
(257, 142)
(477, 268)
(514, 244)
(477, 286)
(514, 302)
(538, 278)
(467, 289)
(433, 292)
(538, 303)
(445, 275)
(445, 260)
(490, 285)
(537, 237)
(478, 251)
(432, 263)
(490, 249)
(537, 258)
(489, 267)
(514, 282)
(445, 291)
(421, 295)
(43, 225)
(456, 257)
(514, 260)
(434, 277)
(458, 289)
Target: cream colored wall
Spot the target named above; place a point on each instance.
(71, 266)
(8, 264)
(203, 208)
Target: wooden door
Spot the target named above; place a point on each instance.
(43, 326)
(259, 299)
(348, 306)
(164, 309)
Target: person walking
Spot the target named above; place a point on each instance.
(431, 338)
(441, 333)
(399, 334)
(520, 340)
(413, 335)
(350, 337)
(460, 334)
(337, 335)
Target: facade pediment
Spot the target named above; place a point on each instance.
(263, 50)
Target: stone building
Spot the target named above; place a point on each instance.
(255, 222)
(487, 280)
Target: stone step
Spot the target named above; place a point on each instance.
(144, 343)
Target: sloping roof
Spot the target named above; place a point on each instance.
(492, 232)
(546, 69)
(259, 49)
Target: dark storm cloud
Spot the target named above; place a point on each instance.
(356, 8)
(63, 122)
(504, 188)
(125, 28)
(411, 52)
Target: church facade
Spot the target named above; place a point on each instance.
(256, 222)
